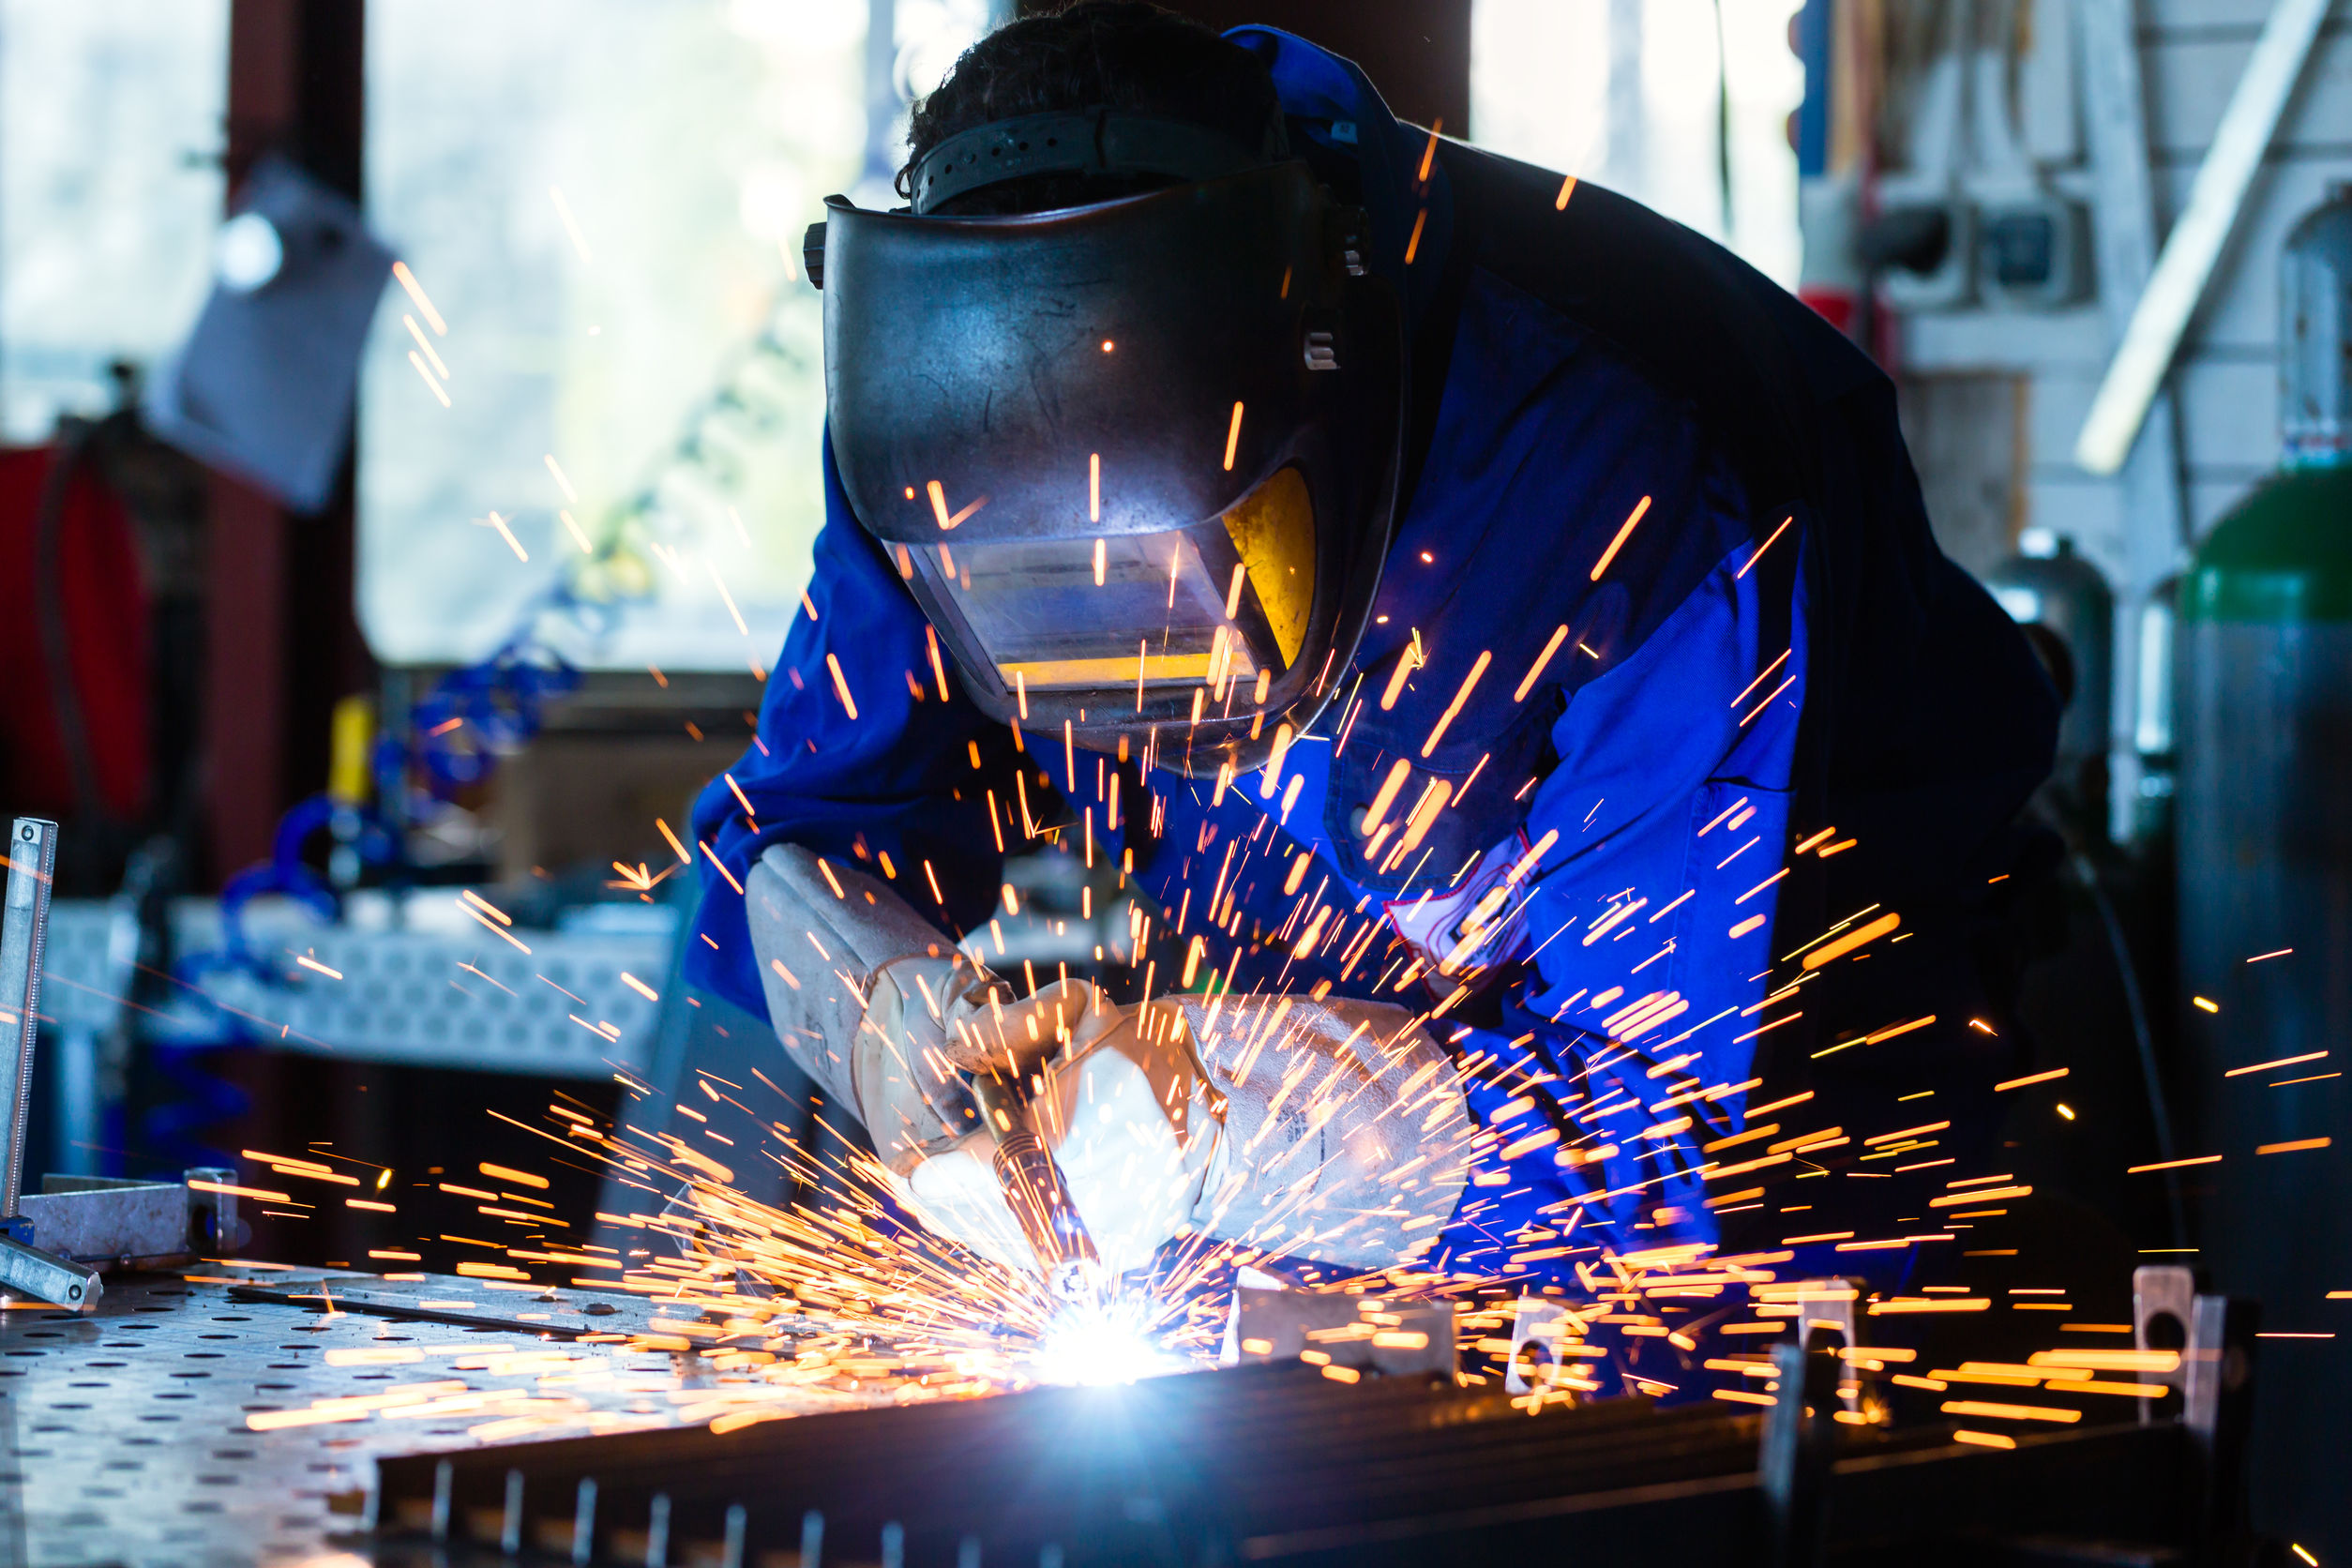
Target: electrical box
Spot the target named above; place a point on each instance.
(2033, 251)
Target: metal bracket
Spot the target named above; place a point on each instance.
(1794, 1457)
(1832, 1306)
(106, 1221)
(2213, 1376)
(1538, 1319)
(29, 1272)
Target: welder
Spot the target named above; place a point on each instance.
(1493, 632)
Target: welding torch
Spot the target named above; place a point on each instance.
(1035, 1189)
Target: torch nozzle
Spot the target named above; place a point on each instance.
(1038, 1196)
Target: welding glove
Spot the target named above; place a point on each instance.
(1347, 1134)
(1121, 1100)
(873, 1002)
(1332, 1130)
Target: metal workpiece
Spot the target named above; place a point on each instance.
(1273, 1463)
(281, 1416)
(113, 1222)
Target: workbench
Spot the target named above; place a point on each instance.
(124, 1435)
(470, 1421)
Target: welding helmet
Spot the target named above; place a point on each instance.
(1137, 459)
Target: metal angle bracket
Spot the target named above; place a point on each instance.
(2214, 1337)
(108, 1221)
(1797, 1453)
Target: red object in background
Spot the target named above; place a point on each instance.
(1834, 305)
(103, 598)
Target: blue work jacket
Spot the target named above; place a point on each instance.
(1702, 689)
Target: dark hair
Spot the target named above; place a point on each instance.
(1123, 54)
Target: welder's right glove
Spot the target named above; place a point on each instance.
(1347, 1136)
(874, 1002)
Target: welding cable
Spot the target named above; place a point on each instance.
(2143, 1039)
(474, 716)
(49, 602)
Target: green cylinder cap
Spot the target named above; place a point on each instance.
(2282, 554)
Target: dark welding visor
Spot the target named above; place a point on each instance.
(1136, 460)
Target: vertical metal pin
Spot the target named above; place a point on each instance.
(813, 1539)
(968, 1552)
(894, 1545)
(31, 862)
(444, 1481)
(731, 1555)
(658, 1531)
(584, 1523)
(510, 1525)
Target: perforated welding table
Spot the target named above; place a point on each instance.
(123, 1435)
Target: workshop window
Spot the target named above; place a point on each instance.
(1633, 95)
(604, 200)
(111, 119)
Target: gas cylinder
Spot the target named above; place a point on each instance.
(2047, 585)
(2264, 717)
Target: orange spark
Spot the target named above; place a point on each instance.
(1616, 544)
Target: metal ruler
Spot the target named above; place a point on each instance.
(24, 1269)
